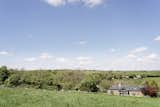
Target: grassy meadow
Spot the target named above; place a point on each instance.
(22, 97)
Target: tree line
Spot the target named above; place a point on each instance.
(90, 81)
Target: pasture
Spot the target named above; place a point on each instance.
(22, 97)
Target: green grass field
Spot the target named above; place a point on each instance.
(43, 98)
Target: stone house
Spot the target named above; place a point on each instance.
(126, 90)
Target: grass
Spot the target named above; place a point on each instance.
(20, 97)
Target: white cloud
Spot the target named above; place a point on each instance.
(148, 62)
(42, 57)
(92, 3)
(5, 53)
(45, 56)
(61, 59)
(31, 59)
(73, 1)
(141, 54)
(56, 3)
(139, 50)
(58, 62)
(131, 56)
(112, 50)
(82, 42)
(152, 56)
(139, 58)
(85, 60)
(89, 3)
(157, 38)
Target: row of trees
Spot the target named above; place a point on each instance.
(66, 80)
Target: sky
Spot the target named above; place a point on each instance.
(80, 34)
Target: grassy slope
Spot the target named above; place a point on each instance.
(43, 98)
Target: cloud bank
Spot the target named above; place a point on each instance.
(138, 58)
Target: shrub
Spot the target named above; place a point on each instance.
(4, 74)
(89, 85)
(151, 89)
(13, 81)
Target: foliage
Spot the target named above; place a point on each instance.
(4, 74)
(151, 88)
(105, 85)
(89, 84)
(90, 81)
(13, 80)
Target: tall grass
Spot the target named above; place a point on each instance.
(42, 98)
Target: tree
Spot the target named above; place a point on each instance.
(4, 74)
(105, 85)
(89, 85)
(151, 88)
(13, 81)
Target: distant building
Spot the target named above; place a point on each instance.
(125, 90)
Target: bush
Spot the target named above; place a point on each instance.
(4, 74)
(89, 86)
(13, 80)
(151, 89)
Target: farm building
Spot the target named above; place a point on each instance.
(125, 90)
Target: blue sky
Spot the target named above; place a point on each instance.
(80, 34)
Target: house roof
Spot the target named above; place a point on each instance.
(126, 87)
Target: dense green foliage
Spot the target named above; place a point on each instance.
(4, 73)
(151, 88)
(90, 81)
(16, 97)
